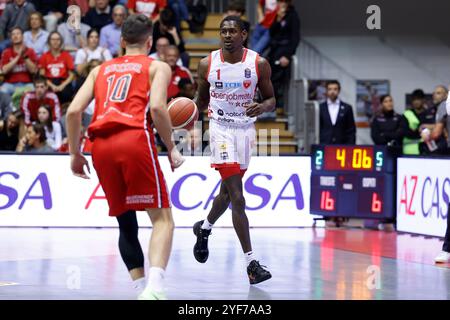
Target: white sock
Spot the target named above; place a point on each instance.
(249, 256)
(156, 279)
(139, 284)
(206, 225)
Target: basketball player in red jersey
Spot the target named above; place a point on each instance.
(130, 92)
(227, 81)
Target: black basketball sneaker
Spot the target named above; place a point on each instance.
(201, 251)
(256, 273)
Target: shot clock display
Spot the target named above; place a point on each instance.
(352, 181)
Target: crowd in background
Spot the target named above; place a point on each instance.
(422, 129)
(44, 60)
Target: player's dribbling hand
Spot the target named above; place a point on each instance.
(77, 163)
(175, 158)
(254, 109)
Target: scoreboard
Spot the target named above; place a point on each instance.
(352, 181)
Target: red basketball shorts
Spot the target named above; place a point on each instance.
(128, 170)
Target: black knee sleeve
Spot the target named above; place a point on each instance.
(129, 246)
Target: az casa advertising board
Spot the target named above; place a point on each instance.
(40, 190)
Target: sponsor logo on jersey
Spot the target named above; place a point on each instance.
(232, 85)
(231, 96)
(247, 84)
(236, 114)
(248, 73)
(224, 155)
(219, 85)
(220, 112)
(222, 119)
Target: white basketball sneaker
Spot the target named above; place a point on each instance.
(150, 294)
(443, 257)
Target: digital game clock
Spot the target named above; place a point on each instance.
(352, 181)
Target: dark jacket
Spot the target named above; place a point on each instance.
(343, 132)
(385, 128)
(13, 16)
(97, 21)
(8, 142)
(158, 34)
(285, 36)
(427, 116)
(46, 6)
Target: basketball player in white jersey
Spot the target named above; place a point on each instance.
(227, 82)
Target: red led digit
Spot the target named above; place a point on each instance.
(326, 201)
(376, 203)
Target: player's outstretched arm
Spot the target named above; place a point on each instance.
(160, 75)
(202, 100)
(73, 123)
(266, 88)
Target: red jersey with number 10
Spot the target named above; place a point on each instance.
(122, 94)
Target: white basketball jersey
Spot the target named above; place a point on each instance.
(232, 87)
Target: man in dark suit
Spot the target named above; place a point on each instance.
(337, 124)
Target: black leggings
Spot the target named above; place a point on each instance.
(129, 246)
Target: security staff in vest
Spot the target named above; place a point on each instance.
(385, 127)
(411, 121)
(337, 124)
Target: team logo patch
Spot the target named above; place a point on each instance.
(219, 85)
(247, 84)
(224, 155)
(248, 73)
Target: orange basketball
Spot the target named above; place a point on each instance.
(183, 112)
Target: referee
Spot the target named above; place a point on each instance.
(444, 256)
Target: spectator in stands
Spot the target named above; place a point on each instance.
(186, 88)
(150, 8)
(180, 10)
(35, 140)
(284, 39)
(161, 45)
(58, 67)
(92, 51)
(237, 8)
(3, 4)
(18, 64)
(267, 13)
(411, 122)
(171, 58)
(82, 4)
(31, 101)
(87, 114)
(99, 16)
(83, 75)
(9, 131)
(74, 39)
(52, 128)
(36, 37)
(15, 15)
(5, 106)
(439, 133)
(52, 10)
(110, 34)
(165, 27)
(337, 123)
(385, 126)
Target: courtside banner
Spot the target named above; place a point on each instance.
(40, 190)
(423, 194)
